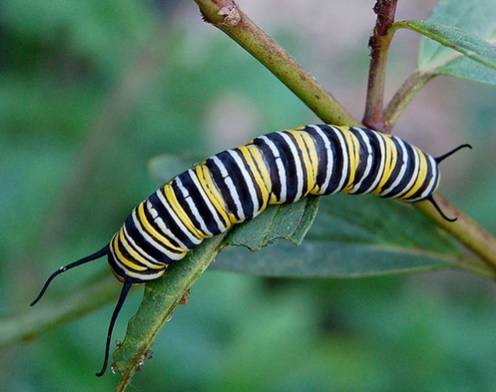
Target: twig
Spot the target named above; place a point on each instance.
(379, 48)
(404, 95)
(228, 17)
(465, 230)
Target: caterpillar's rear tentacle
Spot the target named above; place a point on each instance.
(438, 209)
(449, 153)
(439, 159)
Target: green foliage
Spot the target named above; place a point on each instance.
(452, 37)
(91, 31)
(85, 76)
(290, 223)
(345, 241)
(465, 27)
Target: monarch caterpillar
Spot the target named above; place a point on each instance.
(236, 185)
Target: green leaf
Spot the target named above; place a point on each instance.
(357, 236)
(161, 298)
(289, 222)
(465, 26)
(454, 38)
(466, 69)
(351, 237)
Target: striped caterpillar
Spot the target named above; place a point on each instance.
(238, 184)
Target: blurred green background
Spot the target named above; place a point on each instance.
(90, 91)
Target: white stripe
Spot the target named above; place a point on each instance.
(400, 175)
(346, 159)
(368, 166)
(178, 221)
(192, 206)
(220, 224)
(414, 176)
(151, 262)
(281, 170)
(432, 183)
(298, 164)
(157, 245)
(330, 161)
(162, 226)
(382, 162)
(251, 185)
(230, 185)
(138, 274)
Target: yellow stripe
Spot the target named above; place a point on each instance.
(314, 159)
(128, 263)
(154, 233)
(308, 161)
(273, 199)
(390, 161)
(421, 177)
(135, 255)
(353, 147)
(170, 195)
(213, 194)
(256, 154)
(255, 162)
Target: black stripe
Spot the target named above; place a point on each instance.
(168, 222)
(200, 204)
(258, 191)
(288, 161)
(322, 155)
(337, 157)
(270, 161)
(125, 268)
(237, 178)
(143, 244)
(410, 172)
(376, 171)
(127, 255)
(363, 157)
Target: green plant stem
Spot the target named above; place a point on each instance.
(228, 17)
(160, 300)
(465, 230)
(379, 49)
(404, 95)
